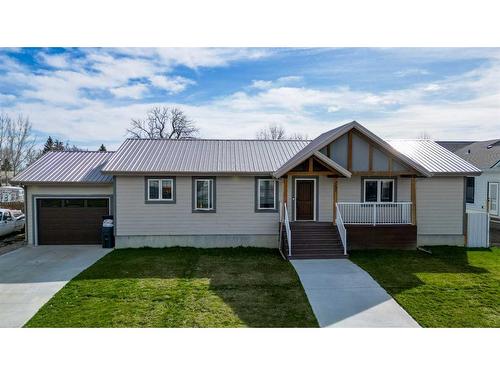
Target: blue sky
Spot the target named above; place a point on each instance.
(88, 96)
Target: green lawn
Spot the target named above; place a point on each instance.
(452, 287)
(182, 287)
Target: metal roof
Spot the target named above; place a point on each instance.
(67, 167)
(201, 156)
(433, 157)
(454, 145)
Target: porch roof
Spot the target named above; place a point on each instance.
(326, 138)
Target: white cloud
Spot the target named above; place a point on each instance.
(6, 97)
(134, 92)
(462, 106)
(260, 84)
(411, 72)
(171, 84)
(59, 60)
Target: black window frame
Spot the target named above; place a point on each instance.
(468, 198)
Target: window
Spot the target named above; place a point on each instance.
(74, 203)
(51, 203)
(376, 190)
(100, 203)
(266, 194)
(160, 189)
(204, 196)
(469, 189)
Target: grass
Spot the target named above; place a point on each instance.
(182, 287)
(452, 287)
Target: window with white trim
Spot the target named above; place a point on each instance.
(266, 194)
(160, 189)
(204, 194)
(378, 190)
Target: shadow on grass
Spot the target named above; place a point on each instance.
(182, 287)
(399, 268)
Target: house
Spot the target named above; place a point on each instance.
(11, 194)
(345, 189)
(482, 192)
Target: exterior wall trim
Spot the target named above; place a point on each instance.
(193, 193)
(34, 206)
(159, 201)
(276, 195)
(316, 195)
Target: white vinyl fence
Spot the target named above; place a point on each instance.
(478, 229)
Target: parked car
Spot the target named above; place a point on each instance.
(11, 221)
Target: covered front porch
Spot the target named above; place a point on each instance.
(325, 213)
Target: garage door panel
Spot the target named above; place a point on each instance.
(65, 224)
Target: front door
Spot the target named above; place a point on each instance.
(304, 200)
(493, 198)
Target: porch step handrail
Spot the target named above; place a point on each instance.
(375, 213)
(287, 229)
(341, 228)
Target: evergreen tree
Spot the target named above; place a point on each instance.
(49, 145)
(102, 148)
(6, 165)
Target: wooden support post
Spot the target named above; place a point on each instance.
(413, 201)
(349, 151)
(310, 165)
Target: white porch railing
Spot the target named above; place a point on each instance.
(375, 213)
(341, 228)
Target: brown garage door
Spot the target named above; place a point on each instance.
(70, 221)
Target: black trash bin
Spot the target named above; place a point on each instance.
(108, 237)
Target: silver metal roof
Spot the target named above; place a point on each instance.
(67, 167)
(201, 156)
(433, 157)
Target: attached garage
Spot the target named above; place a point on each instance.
(66, 196)
(70, 221)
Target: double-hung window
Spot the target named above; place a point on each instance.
(160, 190)
(204, 194)
(266, 194)
(378, 190)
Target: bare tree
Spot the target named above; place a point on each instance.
(18, 142)
(273, 132)
(424, 135)
(163, 123)
(277, 132)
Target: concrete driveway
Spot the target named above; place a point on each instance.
(343, 295)
(30, 276)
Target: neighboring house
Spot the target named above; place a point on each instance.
(221, 193)
(482, 191)
(11, 194)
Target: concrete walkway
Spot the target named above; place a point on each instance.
(343, 295)
(30, 276)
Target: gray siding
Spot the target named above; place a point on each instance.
(325, 199)
(235, 210)
(440, 205)
(360, 154)
(338, 150)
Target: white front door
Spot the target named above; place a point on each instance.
(493, 198)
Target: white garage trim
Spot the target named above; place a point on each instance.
(34, 206)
